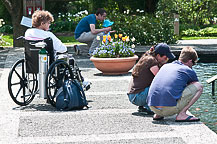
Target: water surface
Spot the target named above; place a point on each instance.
(206, 107)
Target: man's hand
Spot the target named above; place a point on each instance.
(96, 31)
(108, 29)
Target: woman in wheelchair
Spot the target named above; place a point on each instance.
(41, 22)
(22, 79)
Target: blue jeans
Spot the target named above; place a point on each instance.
(139, 99)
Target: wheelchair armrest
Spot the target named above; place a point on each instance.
(20, 37)
(39, 44)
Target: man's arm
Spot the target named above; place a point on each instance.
(96, 31)
(154, 69)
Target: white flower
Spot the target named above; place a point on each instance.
(133, 39)
(144, 33)
(128, 11)
(86, 12)
(124, 12)
(98, 38)
(133, 46)
(137, 10)
(141, 11)
(128, 39)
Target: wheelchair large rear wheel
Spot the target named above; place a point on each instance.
(22, 86)
(57, 73)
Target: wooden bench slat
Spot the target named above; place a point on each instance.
(211, 79)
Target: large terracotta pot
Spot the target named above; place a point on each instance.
(114, 66)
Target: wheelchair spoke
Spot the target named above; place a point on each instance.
(55, 92)
(15, 83)
(18, 74)
(64, 72)
(29, 89)
(18, 91)
(26, 96)
(52, 85)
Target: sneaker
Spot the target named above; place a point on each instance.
(86, 85)
(89, 55)
(77, 50)
(143, 109)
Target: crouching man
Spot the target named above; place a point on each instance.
(175, 88)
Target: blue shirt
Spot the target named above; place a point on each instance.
(84, 25)
(169, 83)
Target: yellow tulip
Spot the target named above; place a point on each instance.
(109, 38)
(127, 39)
(104, 37)
(104, 40)
(124, 38)
(116, 36)
(120, 35)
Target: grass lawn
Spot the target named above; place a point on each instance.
(67, 40)
(70, 40)
(8, 40)
(196, 38)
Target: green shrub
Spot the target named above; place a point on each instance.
(67, 22)
(6, 29)
(62, 26)
(146, 29)
(206, 32)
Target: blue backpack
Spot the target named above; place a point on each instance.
(70, 96)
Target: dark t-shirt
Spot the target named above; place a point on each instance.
(145, 77)
(84, 25)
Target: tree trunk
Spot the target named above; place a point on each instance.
(15, 8)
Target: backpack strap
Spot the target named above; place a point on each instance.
(81, 90)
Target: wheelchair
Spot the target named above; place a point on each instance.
(23, 83)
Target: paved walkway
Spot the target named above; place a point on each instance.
(206, 49)
(111, 118)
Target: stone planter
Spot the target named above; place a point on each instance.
(114, 66)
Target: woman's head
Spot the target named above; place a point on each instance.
(42, 19)
(161, 52)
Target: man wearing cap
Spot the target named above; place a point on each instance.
(86, 31)
(175, 88)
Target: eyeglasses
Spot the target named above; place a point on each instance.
(194, 62)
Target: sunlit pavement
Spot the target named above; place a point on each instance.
(111, 118)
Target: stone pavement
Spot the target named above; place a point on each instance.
(111, 118)
(206, 49)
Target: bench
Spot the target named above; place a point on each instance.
(212, 80)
